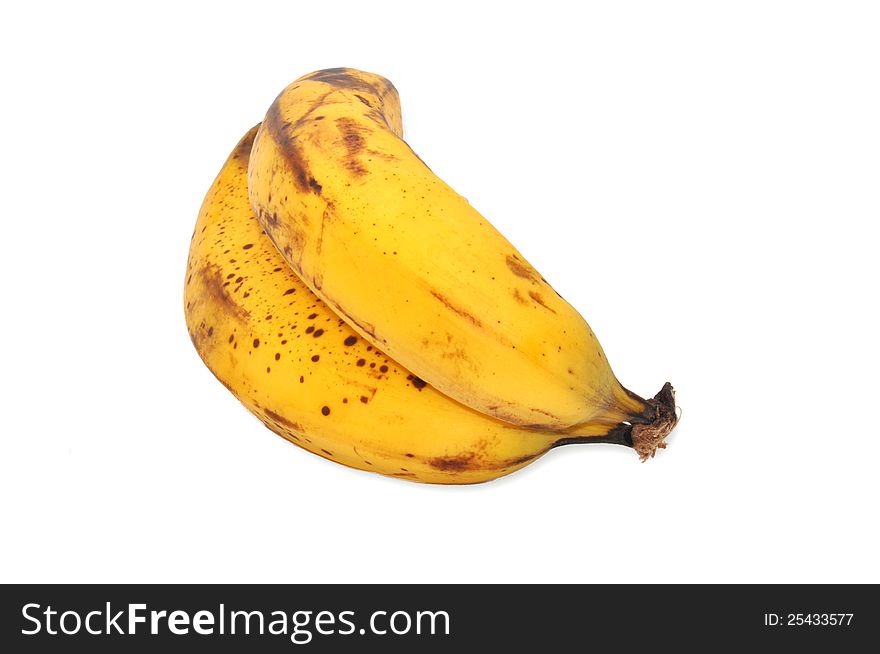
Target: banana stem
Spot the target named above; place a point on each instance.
(645, 431)
(648, 437)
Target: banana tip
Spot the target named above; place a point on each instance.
(647, 438)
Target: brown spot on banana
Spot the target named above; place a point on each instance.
(417, 382)
(386, 156)
(283, 134)
(212, 283)
(459, 354)
(281, 420)
(521, 269)
(293, 249)
(470, 461)
(537, 298)
(453, 463)
(279, 132)
(344, 79)
(269, 220)
(383, 97)
(457, 310)
(341, 78)
(353, 139)
(518, 296)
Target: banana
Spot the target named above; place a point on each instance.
(418, 272)
(313, 380)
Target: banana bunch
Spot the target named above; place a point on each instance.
(363, 310)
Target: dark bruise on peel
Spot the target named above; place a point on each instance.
(285, 133)
(457, 310)
(282, 134)
(341, 78)
(417, 382)
(344, 80)
(212, 283)
(354, 142)
(452, 463)
(537, 298)
(470, 461)
(270, 220)
(385, 156)
(297, 240)
(281, 420)
(519, 268)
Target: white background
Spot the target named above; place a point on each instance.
(699, 179)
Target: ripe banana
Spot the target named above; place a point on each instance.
(310, 378)
(417, 271)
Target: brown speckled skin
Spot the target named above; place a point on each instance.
(309, 377)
